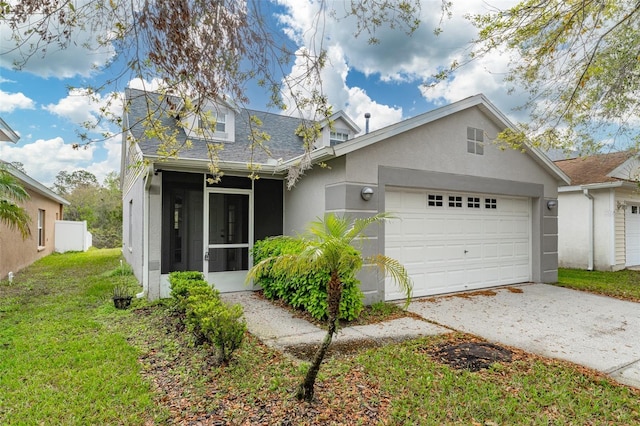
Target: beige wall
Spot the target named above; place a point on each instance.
(16, 253)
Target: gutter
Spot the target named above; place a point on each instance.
(586, 193)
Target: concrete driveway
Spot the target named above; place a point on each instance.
(598, 332)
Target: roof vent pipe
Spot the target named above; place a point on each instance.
(367, 116)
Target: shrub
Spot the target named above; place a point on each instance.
(305, 291)
(217, 323)
(205, 315)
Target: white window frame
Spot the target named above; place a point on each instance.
(130, 238)
(337, 136)
(41, 229)
(475, 141)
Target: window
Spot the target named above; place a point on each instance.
(455, 201)
(130, 239)
(434, 200)
(338, 137)
(490, 203)
(475, 141)
(634, 209)
(220, 119)
(473, 202)
(221, 123)
(41, 240)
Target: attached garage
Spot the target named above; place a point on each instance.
(452, 241)
(471, 214)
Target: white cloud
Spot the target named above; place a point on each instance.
(398, 57)
(43, 159)
(140, 84)
(111, 163)
(12, 101)
(80, 58)
(80, 107)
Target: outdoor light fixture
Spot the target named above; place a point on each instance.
(366, 193)
(551, 204)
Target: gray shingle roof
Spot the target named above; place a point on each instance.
(284, 143)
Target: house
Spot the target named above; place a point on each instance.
(471, 215)
(599, 213)
(44, 207)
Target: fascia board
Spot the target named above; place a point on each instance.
(630, 163)
(320, 154)
(36, 186)
(341, 114)
(6, 133)
(202, 166)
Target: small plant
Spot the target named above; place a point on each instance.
(121, 292)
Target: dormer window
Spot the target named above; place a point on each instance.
(220, 120)
(475, 141)
(338, 137)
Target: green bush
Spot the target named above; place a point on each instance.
(182, 288)
(217, 323)
(305, 291)
(205, 315)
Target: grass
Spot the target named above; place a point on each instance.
(623, 284)
(61, 363)
(67, 356)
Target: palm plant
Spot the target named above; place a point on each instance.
(329, 245)
(11, 214)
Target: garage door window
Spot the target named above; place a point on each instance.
(455, 201)
(473, 202)
(434, 200)
(634, 209)
(490, 203)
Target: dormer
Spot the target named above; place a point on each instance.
(215, 121)
(337, 129)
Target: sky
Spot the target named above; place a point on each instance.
(44, 102)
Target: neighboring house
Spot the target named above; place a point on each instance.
(44, 208)
(471, 215)
(599, 213)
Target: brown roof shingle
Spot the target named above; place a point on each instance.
(594, 169)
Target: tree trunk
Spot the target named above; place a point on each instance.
(334, 293)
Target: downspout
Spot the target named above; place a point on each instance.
(145, 232)
(586, 193)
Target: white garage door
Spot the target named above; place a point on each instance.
(632, 235)
(456, 242)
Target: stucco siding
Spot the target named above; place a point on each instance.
(441, 146)
(573, 233)
(17, 253)
(306, 201)
(608, 229)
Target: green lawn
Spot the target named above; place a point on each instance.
(68, 357)
(61, 361)
(623, 284)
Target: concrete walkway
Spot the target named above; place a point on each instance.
(598, 332)
(276, 327)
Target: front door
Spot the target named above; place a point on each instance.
(228, 233)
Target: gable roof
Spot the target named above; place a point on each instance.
(283, 145)
(602, 168)
(385, 133)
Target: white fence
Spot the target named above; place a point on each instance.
(72, 236)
